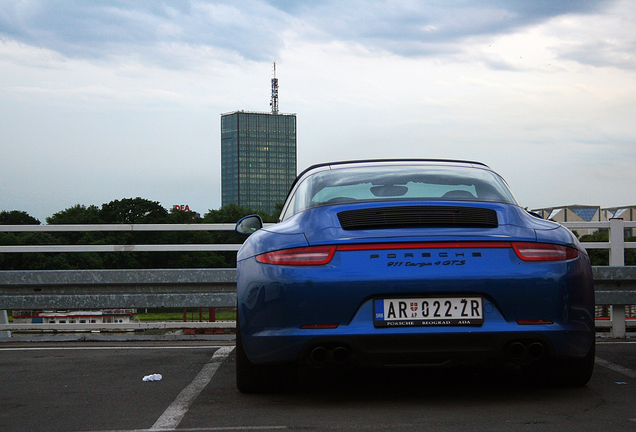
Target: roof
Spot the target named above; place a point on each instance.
(382, 161)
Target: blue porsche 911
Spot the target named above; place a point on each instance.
(410, 263)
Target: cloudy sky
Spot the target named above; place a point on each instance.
(105, 99)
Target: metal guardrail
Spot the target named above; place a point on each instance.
(121, 289)
(616, 244)
(618, 280)
(119, 228)
(124, 289)
(177, 288)
(615, 285)
(94, 289)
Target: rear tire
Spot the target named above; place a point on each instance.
(568, 372)
(258, 378)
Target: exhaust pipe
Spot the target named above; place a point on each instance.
(536, 350)
(340, 355)
(517, 350)
(319, 355)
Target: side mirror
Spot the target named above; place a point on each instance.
(249, 225)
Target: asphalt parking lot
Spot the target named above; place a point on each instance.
(99, 386)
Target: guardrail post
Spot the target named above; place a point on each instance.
(617, 317)
(617, 243)
(617, 259)
(4, 319)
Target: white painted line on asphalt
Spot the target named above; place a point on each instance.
(616, 343)
(233, 428)
(616, 368)
(171, 418)
(206, 429)
(122, 347)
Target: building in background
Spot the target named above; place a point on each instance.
(258, 156)
(627, 213)
(572, 213)
(582, 213)
(101, 316)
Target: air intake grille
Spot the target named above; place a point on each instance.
(417, 217)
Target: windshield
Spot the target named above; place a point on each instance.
(397, 182)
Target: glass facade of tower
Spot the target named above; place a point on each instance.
(258, 158)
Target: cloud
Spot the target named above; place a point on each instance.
(150, 30)
(101, 100)
(603, 40)
(414, 28)
(114, 28)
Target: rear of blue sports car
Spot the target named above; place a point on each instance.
(416, 263)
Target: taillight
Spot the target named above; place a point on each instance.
(544, 252)
(314, 255)
(320, 255)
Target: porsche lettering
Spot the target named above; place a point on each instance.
(425, 255)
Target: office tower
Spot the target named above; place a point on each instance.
(258, 156)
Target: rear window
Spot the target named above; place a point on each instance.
(397, 182)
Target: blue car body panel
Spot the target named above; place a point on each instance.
(276, 301)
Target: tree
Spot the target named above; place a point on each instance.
(231, 213)
(178, 216)
(78, 214)
(133, 211)
(126, 211)
(278, 208)
(16, 217)
(10, 261)
(598, 257)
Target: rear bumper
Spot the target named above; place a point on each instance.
(427, 350)
(496, 339)
(276, 301)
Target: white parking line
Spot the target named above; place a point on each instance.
(207, 429)
(121, 347)
(172, 416)
(621, 342)
(616, 368)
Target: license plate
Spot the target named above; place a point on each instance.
(433, 311)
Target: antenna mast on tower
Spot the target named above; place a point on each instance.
(274, 101)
